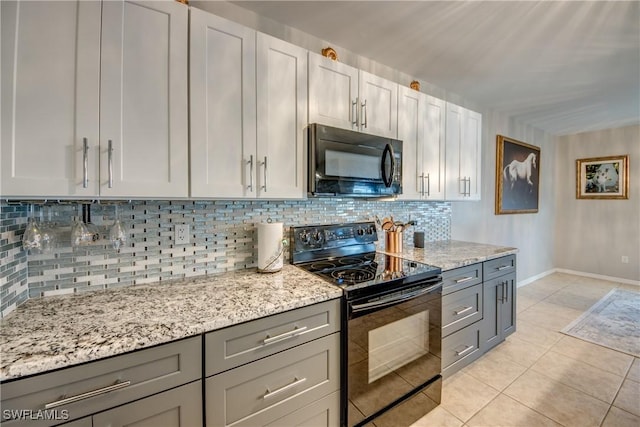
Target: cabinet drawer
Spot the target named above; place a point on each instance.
(240, 344)
(499, 267)
(460, 278)
(178, 407)
(460, 348)
(321, 413)
(148, 371)
(461, 308)
(263, 391)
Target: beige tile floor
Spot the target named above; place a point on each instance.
(541, 377)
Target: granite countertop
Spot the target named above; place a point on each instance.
(450, 254)
(56, 332)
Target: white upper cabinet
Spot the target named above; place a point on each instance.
(333, 92)
(50, 98)
(421, 127)
(94, 99)
(378, 99)
(143, 99)
(281, 119)
(463, 153)
(223, 107)
(248, 112)
(348, 98)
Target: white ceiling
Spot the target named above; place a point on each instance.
(562, 66)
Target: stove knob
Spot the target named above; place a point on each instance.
(371, 229)
(360, 231)
(304, 236)
(317, 236)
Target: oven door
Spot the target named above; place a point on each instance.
(393, 355)
(344, 162)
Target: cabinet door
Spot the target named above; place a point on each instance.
(471, 153)
(455, 184)
(223, 107)
(508, 309)
(433, 153)
(378, 105)
(333, 92)
(281, 118)
(179, 407)
(490, 333)
(143, 101)
(411, 123)
(50, 98)
(499, 310)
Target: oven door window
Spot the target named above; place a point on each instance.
(398, 343)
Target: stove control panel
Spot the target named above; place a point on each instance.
(333, 237)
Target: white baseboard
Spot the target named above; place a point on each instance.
(577, 273)
(536, 277)
(599, 276)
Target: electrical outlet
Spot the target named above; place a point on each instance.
(181, 234)
(625, 259)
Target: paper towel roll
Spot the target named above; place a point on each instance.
(270, 247)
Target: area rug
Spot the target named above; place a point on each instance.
(612, 322)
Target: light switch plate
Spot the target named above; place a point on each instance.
(181, 234)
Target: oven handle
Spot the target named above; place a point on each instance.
(394, 300)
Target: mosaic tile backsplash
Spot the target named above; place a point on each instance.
(223, 237)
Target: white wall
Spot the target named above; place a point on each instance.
(593, 235)
(532, 234)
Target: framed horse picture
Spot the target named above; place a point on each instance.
(517, 176)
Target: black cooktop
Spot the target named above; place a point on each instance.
(370, 269)
(345, 255)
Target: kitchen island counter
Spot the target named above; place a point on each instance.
(62, 331)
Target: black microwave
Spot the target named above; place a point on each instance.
(347, 163)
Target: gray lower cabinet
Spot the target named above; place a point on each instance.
(478, 310)
(85, 390)
(322, 412)
(499, 310)
(283, 370)
(179, 407)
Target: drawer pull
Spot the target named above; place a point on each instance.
(466, 350)
(503, 267)
(295, 382)
(87, 395)
(464, 310)
(464, 279)
(296, 331)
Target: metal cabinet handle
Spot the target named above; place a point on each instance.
(364, 113)
(110, 151)
(428, 185)
(506, 292)
(469, 191)
(290, 334)
(78, 397)
(421, 184)
(295, 383)
(264, 171)
(466, 350)
(464, 279)
(503, 267)
(354, 112)
(85, 163)
(462, 311)
(250, 163)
